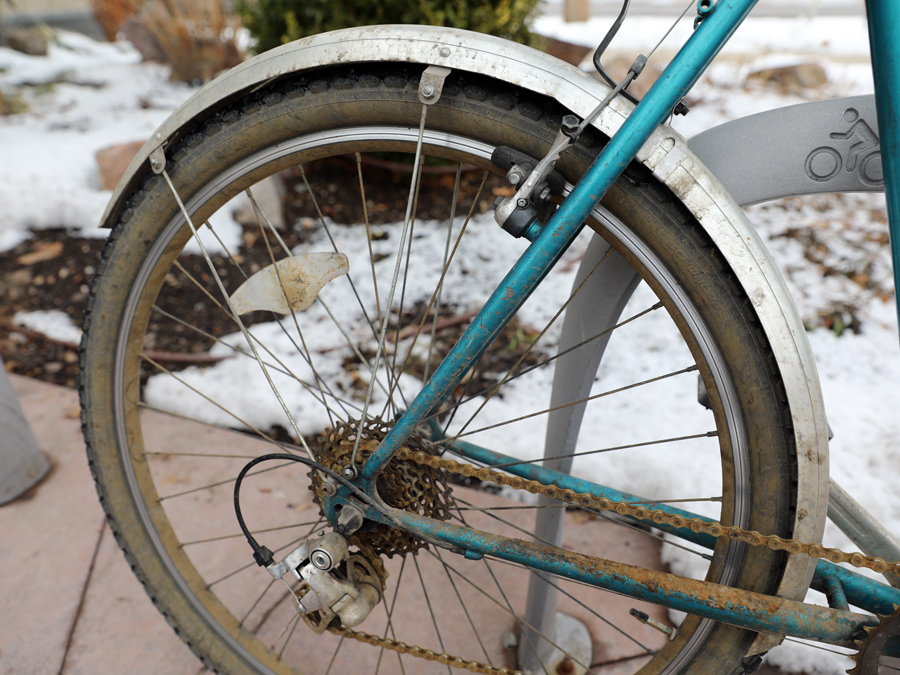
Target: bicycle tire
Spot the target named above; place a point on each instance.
(368, 109)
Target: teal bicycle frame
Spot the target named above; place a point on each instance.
(836, 625)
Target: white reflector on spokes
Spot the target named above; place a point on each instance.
(291, 284)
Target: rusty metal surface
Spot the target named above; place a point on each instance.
(745, 609)
(875, 644)
(642, 512)
(738, 607)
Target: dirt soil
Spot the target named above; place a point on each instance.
(53, 271)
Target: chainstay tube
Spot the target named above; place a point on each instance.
(657, 516)
(853, 622)
(745, 609)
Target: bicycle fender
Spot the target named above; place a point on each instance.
(666, 153)
(818, 146)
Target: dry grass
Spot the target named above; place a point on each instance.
(111, 14)
(198, 36)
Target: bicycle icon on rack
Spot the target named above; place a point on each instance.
(863, 157)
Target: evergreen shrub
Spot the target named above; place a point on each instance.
(275, 22)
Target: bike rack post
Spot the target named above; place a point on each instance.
(590, 313)
(22, 464)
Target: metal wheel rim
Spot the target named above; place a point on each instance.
(457, 144)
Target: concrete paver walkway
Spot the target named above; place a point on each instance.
(68, 600)
(69, 604)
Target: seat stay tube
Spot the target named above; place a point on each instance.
(884, 26)
(537, 260)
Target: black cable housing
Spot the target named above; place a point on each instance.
(261, 554)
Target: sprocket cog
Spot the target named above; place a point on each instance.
(868, 660)
(402, 485)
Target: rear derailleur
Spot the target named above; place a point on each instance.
(333, 581)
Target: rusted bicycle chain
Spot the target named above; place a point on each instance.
(714, 529)
(419, 652)
(697, 525)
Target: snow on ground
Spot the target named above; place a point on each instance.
(85, 96)
(834, 36)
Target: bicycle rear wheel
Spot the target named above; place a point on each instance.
(176, 399)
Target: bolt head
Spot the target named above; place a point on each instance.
(445, 52)
(522, 203)
(570, 124)
(515, 175)
(428, 91)
(349, 473)
(321, 559)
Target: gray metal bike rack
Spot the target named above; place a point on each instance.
(590, 313)
(809, 148)
(22, 464)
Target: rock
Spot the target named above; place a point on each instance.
(792, 78)
(269, 195)
(12, 104)
(201, 59)
(31, 41)
(113, 161)
(135, 30)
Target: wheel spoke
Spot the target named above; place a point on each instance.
(256, 602)
(544, 362)
(359, 355)
(334, 656)
(305, 351)
(215, 275)
(238, 535)
(365, 208)
(389, 628)
(227, 481)
(593, 397)
(465, 609)
(437, 631)
(407, 223)
(279, 367)
(507, 523)
(508, 606)
(434, 299)
(209, 399)
(295, 621)
(270, 611)
(324, 223)
(252, 563)
(403, 286)
(446, 262)
(584, 453)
